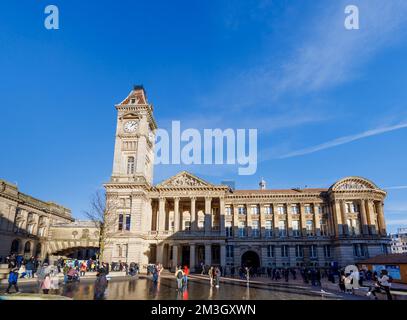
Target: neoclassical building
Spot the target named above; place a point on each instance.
(186, 220)
(43, 229)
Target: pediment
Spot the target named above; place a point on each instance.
(184, 179)
(353, 184)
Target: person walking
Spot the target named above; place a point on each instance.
(100, 286)
(46, 284)
(383, 283)
(179, 275)
(211, 275)
(217, 277)
(83, 269)
(29, 267)
(342, 282)
(12, 280)
(186, 273)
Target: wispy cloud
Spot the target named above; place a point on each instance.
(396, 222)
(395, 188)
(343, 140)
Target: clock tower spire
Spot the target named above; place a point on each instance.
(134, 146)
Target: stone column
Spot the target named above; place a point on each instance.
(317, 220)
(289, 221)
(275, 221)
(222, 216)
(337, 218)
(176, 215)
(174, 256)
(208, 215)
(380, 216)
(262, 221)
(303, 221)
(249, 220)
(161, 214)
(192, 262)
(235, 220)
(363, 218)
(160, 253)
(208, 254)
(371, 217)
(223, 255)
(344, 220)
(193, 214)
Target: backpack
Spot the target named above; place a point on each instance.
(179, 274)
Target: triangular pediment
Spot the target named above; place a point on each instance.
(184, 179)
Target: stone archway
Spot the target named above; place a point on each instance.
(251, 259)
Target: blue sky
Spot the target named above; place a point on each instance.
(327, 102)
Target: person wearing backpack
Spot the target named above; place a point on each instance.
(12, 280)
(179, 275)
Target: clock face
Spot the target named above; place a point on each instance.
(130, 126)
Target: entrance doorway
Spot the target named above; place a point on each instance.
(185, 256)
(250, 259)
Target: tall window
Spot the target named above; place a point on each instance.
(242, 229)
(255, 210)
(296, 228)
(269, 228)
(310, 228)
(130, 165)
(299, 251)
(327, 251)
(229, 251)
(228, 211)
(255, 229)
(313, 251)
(128, 221)
(242, 210)
(120, 222)
(323, 227)
(282, 228)
(268, 210)
(188, 225)
(308, 209)
(228, 229)
(280, 209)
(294, 209)
(284, 251)
(270, 251)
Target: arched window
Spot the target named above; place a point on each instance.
(130, 165)
(15, 246)
(27, 247)
(38, 249)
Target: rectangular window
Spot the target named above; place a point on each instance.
(242, 229)
(120, 222)
(284, 251)
(241, 210)
(187, 225)
(282, 228)
(268, 209)
(269, 228)
(255, 229)
(128, 221)
(313, 251)
(228, 211)
(229, 251)
(296, 228)
(299, 251)
(294, 209)
(327, 251)
(228, 229)
(270, 251)
(308, 209)
(255, 210)
(280, 209)
(310, 228)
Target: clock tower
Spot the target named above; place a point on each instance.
(134, 145)
(128, 209)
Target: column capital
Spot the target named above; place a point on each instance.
(193, 198)
(208, 198)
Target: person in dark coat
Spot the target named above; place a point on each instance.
(100, 286)
(12, 280)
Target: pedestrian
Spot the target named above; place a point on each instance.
(382, 283)
(342, 282)
(46, 284)
(217, 277)
(12, 280)
(83, 269)
(29, 267)
(179, 275)
(211, 275)
(186, 273)
(202, 268)
(247, 269)
(100, 286)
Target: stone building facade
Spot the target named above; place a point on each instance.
(186, 220)
(32, 227)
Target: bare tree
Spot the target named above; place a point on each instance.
(101, 212)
